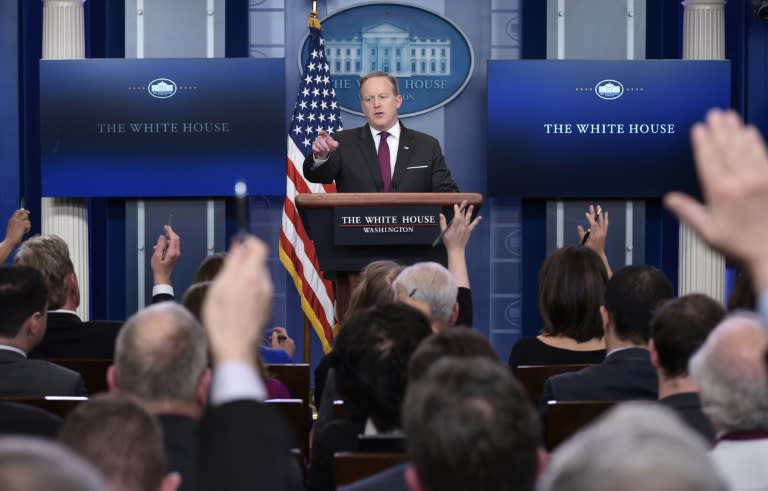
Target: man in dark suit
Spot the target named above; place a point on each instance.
(678, 328)
(23, 318)
(121, 439)
(631, 296)
(410, 162)
(245, 444)
(470, 426)
(68, 336)
(161, 357)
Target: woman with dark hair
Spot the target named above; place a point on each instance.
(374, 287)
(369, 359)
(571, 289)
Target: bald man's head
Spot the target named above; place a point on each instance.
(730, 368)
(161, 354)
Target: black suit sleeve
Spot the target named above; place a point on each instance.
(442, 182)
(325, 173)
(162, 297)
(245, 445)
(464, 299)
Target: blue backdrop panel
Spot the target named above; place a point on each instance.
(9, 112)
(597, 128)
(162, 127)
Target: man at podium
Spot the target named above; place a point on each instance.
(408, 162)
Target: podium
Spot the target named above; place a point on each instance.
(350, 230)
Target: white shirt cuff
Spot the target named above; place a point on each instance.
(762, 306)
(235, 381)
(162, 289)
(318, 162)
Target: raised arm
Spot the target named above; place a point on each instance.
(455, 237)
(732, 165)
(18, 225)
(597, 234)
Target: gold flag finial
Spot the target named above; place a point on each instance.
(313, 20)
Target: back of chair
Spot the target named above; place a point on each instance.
(295, 377)
(353, 466)
(532, 377)
(381, 443)
(60, 406)
(295, 414)
(565, 418)
(93, 371)
(339, 411)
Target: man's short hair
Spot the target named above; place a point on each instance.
(631, 296)
(458, 342)
(48, 254)
(636, 446)
(121, 438)
(22, 293)
(730, 370)
(369, 358)
(680, 326)
(433, 284)
(379, 73)
(32, 464)
(470, 426)
(160, 354)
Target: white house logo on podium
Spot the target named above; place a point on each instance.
(162, 88)
(609, 89)
(429, 54)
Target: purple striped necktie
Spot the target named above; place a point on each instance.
(384, 164)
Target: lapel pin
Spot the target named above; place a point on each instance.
(406, 148)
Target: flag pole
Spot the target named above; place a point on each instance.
(313, 21)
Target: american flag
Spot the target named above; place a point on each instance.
(316, 108)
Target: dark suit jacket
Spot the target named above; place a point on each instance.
(622, 376)
(336, 436)
(21, 419)
(69, 337)
(389, 480)
(180, 441)
(245, 445)
(420, 166)
(688, 406)
(21, 377)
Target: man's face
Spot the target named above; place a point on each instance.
(380, 104)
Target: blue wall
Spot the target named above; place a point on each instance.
(9, 111)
